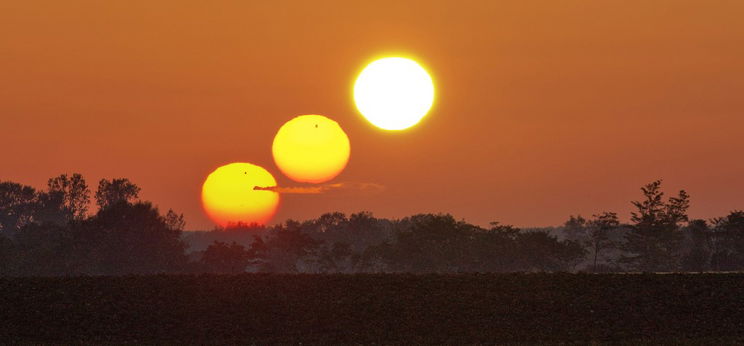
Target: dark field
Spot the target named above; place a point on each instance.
(385, 308)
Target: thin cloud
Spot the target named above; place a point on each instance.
(314, 190)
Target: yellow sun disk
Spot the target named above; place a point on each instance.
(394, 93)
(311, 148)
(228, 196)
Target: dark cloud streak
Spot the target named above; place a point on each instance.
(311, 190)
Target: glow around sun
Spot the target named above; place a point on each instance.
(394, 93)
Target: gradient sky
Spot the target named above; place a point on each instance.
(544, 108)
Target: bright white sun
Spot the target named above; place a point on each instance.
(394, 93)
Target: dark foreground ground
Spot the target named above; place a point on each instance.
(369, 309)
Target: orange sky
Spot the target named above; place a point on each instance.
(543, 109)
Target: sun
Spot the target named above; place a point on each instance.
(311, 149)
(394, 93)
(228, 196)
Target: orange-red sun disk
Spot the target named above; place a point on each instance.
(228, 196)
(311, 149)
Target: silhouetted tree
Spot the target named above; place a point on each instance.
(226, 258)
(286, 247)
(365, 230)
(126, 238)
(112, 192)
(699, 255)
(653, 242)
(598, 237)
(439, 243)
(73, 192)
(51, 209)
(48, 249)
(336, 258)
(49, 233)
(243, 234)
(575, 228)
(541, 251)
(18, 205)
(241, 227)
(491, 250)
(429, 243)
(329, 222)
(258, 253)
(360, 230)
(66, 199)
(728, 237)
(174, 220)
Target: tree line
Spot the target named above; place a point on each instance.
(52, 232)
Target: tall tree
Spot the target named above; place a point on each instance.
(598, 235)
(653, 241)
(111, 192)
(73, 194)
